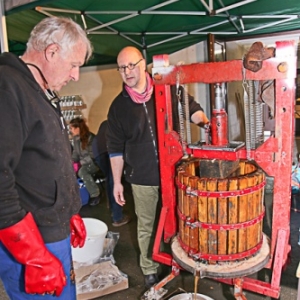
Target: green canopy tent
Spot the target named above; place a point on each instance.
(154, 26)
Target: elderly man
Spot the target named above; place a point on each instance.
(39, 201)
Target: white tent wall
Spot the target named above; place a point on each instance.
(3, 31)
(10, 4)
(6, 5)
(98, 86)
(235, 92)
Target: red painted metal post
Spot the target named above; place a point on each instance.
(161, 257)
(170, 152)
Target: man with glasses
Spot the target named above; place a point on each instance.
(132, 143)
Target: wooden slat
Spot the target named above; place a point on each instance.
(242, 167)
(252, 209)
(222, 217)
(212, 217)
(250, 168)
(197, 167)
(257, 203)
(243, 215)
(180, 174)
(192, 165)
(186, 211)
(191, 168)
(232, 217)
(203, 216)
(193, 208)
(260, 205)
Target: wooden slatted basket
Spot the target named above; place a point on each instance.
(220, 219)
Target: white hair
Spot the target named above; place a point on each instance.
(58, 30)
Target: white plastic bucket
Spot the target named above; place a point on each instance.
(96, 231)
(190, 296)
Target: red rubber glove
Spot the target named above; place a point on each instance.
(43, 271)
(78, 232)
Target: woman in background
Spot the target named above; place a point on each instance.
(83, 153)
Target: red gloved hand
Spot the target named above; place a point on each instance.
(78, 232)
(43, 271)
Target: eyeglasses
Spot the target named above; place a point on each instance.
(130, 66)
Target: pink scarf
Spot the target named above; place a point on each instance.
(145, 96)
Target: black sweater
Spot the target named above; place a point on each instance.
(36, 173)
(129, 133)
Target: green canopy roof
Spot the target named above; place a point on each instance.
(156, 26)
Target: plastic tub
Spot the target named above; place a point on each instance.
(92, 250)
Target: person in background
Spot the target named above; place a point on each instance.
(295, 180)
(83, 153)
(39, 200)
(296, 177)
(131, 142)
(103, 162)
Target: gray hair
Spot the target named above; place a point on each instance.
(57, 30)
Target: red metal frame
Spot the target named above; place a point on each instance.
(274, 156)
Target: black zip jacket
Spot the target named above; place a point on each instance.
(132, 132)
(36, 173)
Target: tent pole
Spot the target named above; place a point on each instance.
(144, 48)
(3, 31)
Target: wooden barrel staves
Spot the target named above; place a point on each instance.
(220, 219)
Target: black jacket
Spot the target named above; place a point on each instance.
(99, 143)
(129, 133)
(36, 172)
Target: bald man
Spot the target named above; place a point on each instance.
(132, 143)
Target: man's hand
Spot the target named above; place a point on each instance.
(119, 194)
(199, 118)
(44, 272)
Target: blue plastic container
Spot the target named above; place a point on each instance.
(84, 194)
